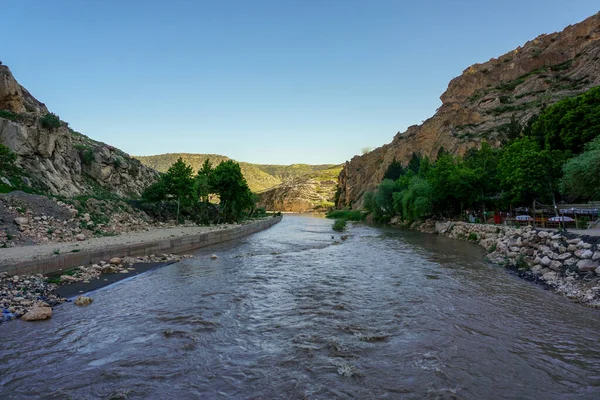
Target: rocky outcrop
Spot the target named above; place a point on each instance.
(567, 263)
(57, 159)
(479, 104)
(299, 195)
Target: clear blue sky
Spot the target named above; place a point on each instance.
(277, 81)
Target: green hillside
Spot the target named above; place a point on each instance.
(260, 177)
(288, 172)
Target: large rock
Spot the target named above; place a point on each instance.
(587, 265)
(83, 301)
(59, 160)
(21, 221)
(38, 313)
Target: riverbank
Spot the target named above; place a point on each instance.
(31, 275)
(566, 263)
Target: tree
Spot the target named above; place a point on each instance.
(384, 198)
(528, 173)
(394, 170)
(582, 173)
(414, 164)
(227, 181)
(570, 123)
(178, 181)
(202, 181)
(417, 199)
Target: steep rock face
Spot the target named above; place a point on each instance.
(16, 98)
(299, 195)
(60, 160)
(479, 104)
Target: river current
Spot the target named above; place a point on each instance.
(288, 314)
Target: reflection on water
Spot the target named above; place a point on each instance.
(286, 314)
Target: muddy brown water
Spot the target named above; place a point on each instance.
(286, 314)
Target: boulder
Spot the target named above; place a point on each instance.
(83, 301)
(543, 234)
(115, 261)
(587, 265)
(555, 265)
(546, 261)
(563, 256)
(21, 221)
(80, 237)
(586, 254)
(68, 279)
(214, 256)
(596, 256)
(38, 313)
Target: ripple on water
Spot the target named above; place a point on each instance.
(285, 313)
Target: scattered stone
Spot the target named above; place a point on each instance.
(214, 256)
(586, 254)
(587, 265)
(38, 313)
(115, 261)
(546, 261)
(80, 237)
(21, 221)
(83, 301)
(555, 265)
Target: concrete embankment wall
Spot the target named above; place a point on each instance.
(174, 245)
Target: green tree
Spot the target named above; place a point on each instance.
(202, 181)
(179, 182)
(526, 172)
(394, 170)
(570, 123)
(582, 173)
(236, 199)
(384, 197)
(417, 199)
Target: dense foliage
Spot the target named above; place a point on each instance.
(537, 162)
(181, 193)
(50, 121)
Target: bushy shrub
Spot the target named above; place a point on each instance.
(339, 225)
(50, 121)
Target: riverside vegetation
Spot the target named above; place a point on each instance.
(556, 156)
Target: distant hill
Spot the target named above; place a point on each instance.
(260, 177)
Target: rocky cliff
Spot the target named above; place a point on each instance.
(480, 104)
(56, 158)
(309, 192)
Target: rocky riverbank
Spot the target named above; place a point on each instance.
(566, 263)
(29, 296)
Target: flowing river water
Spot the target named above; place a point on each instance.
(287, 314)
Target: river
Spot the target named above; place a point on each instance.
(288, 314)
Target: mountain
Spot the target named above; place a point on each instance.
(54, 158)
(257, 179)
(485, 101)
(295, 187)
(302, 192)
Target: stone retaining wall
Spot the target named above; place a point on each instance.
(172, 245)
(565, 262)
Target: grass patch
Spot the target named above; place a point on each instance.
(473, 237)
(349, 215)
